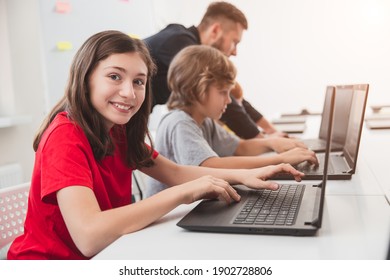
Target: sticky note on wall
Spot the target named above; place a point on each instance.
(64, 46)
(62, 7)
(132, 35)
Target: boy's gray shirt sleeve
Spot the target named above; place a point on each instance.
(221, 141)
(191, 144)
(188, 144)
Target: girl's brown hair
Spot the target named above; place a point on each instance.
(76, 100)
(193, 70)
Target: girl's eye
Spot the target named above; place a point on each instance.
(115, 77)
(139, 82)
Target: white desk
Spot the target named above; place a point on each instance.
(349, 231)
(356, 224)
(376, 152)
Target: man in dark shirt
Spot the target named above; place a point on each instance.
(221, 27)
(255, 118)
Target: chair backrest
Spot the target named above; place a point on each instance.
(13, 208)
(138, 185)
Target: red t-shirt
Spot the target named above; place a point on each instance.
(65, 158)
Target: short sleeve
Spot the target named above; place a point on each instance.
(252, 112)
(221, 141)
(65, 161)
(189, 145)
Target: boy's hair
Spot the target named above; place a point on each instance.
(220, 11)
(193, 70)
(76, 100)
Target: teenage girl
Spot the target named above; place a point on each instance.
(87, 148)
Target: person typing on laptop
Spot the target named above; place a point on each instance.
(87, 149)
(221, 27)
(189, 135)
(247, 127)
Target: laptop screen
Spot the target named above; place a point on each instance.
(341, 115)
(356, 120)
(330, 110)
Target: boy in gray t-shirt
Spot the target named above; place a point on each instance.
(201, 78)
(180, 139)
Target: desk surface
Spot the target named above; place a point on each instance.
(349, 231)
(356, 223)
(376, 152)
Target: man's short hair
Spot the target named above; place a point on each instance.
(222, 10)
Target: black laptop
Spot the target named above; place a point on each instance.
(342, 111)
(388, 252)
(294, 209)
(342, 165)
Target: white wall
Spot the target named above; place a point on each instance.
(23, 41)
(293, 49)
(6, 85)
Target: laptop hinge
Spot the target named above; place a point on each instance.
(316, 222)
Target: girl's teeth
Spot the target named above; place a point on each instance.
(122, 107)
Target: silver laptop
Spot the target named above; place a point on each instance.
(342, 165)
(291, 127)
(378, 117)
(289, 120)
(294, 209)
(343, 104)
(378, 124)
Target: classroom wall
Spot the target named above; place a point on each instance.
(290, 52)
(26, 82)
(65, 28)
(293, 49)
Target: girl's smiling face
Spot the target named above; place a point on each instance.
(117, 87)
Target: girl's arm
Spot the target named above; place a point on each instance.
(93, 229)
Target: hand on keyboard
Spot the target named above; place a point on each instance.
(264, 173)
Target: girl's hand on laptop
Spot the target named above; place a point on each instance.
(257, 178)
(208, 187)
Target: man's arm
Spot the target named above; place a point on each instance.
(261, 121)
(239, 121)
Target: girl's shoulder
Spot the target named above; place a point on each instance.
(63, 122)
(63, 129)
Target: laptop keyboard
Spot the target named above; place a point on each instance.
(266, 207)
